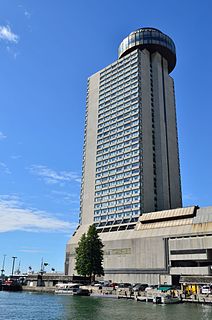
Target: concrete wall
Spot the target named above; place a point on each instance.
(190, 271)
(172, 140)
(89, 172)
(146, 132)
(167, 158)
(160, 135)
(134, 260)
(158, 122)
(198, 242)
(127, 256)
(144, 254)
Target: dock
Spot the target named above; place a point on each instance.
(127, 295)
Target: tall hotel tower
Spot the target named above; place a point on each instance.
(130, 155)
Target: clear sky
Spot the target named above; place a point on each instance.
(48, 48)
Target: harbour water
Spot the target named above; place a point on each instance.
(36, 306)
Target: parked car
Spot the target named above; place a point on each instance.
(206, 289)
(106, 284)
(97, 284)
(114, 285)
(149, 288)
(140, 287)
(154, 286)
(124, 285)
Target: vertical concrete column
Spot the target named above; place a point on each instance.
(162, 174)
(88, 187)
(146, 131)
(167, 158)
(172, 140)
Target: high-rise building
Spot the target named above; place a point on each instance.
(131, 178)
(130, 159)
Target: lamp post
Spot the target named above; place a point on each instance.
(18, 271)
(2, 269)
(40, 282)
(13, 265)
(45, 265)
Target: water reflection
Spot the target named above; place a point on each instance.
(28, 306)
(82, 308)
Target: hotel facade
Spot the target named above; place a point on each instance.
(131, 171)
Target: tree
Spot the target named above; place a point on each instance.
(89, 254)
(82, 257)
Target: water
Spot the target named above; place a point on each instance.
(36, 306)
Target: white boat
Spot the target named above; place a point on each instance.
(72, 289)
(166, 299)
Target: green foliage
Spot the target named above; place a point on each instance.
(89, 254)
(81, 256)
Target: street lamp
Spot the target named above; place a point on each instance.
(40, 276)
(13, 265)
(45, 265)
(2, 269)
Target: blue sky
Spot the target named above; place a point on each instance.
(47, 51)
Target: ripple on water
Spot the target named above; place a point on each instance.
(36, 306)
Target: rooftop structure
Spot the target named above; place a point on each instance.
(153, 40)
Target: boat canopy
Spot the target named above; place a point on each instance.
(164, 288)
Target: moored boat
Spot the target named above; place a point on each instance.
(11, 285)
(166, 299)
(72, 289)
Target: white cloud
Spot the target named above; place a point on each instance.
(2, 136)
(4, 168)
(53, 177)
(14, 216)
(7, 35)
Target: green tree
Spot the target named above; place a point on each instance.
(89, 254)
(81, 256)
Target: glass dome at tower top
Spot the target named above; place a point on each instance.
(151, 39)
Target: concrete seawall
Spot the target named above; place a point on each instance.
(123, 294)
(39, 289)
